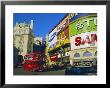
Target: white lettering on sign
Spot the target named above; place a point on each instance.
(63, 24)
(83, 40)
(80, 24)
(72, 15)
(52, 38)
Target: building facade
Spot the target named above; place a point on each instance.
(59, 42)
(83, 39)
(24, 37)
(74, 40)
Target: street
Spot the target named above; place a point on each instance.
(20, 71)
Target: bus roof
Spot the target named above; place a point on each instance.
(34, 53)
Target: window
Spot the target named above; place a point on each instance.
(87, 53)
(76, 55)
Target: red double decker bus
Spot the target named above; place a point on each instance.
(34, 61)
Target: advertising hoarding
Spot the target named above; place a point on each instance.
(58, 35)
(63, 37)
(54, 57)
(52, 39)
(83, 40)
(83, 24)
(63, 24)
(63, 32)
(83, 31)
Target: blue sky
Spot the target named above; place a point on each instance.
(43, 22)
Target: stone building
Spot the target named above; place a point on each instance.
(24, 37)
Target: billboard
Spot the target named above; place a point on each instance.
(52, 39)
(63, 32)
(63, 24)
(83, 24)
(63, 37)
(83, 40)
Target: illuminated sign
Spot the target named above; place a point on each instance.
(87, 39)
(53, 58)
(52, 39)
(63, 24)
(83, 40)
(83, 24)
(83, 63)
(71, 15)
(74, 16)
(63, 38)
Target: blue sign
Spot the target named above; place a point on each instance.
(80, 15)
(52, 37)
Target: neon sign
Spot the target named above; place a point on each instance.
(87, 39)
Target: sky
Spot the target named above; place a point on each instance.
(43, 22)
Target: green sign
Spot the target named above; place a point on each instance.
(82, 25)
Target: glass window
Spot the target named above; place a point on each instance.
(76, 55)
(87, 53)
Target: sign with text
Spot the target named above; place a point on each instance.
(63, 38)
(83, 40)
(83, 24)
(63, 24)
(52, 39)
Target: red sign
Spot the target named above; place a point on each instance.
(54, 58)
(63, 24)
(83, 40)
(88, 39)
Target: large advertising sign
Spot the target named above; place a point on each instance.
(52, 39)
(74, 16)
(83, 40)
(63, 32)
(63, 24)
(83, 31)
(83, 24)
(63, 37)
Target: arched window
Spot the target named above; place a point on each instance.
(76, 55)
(87, 53)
